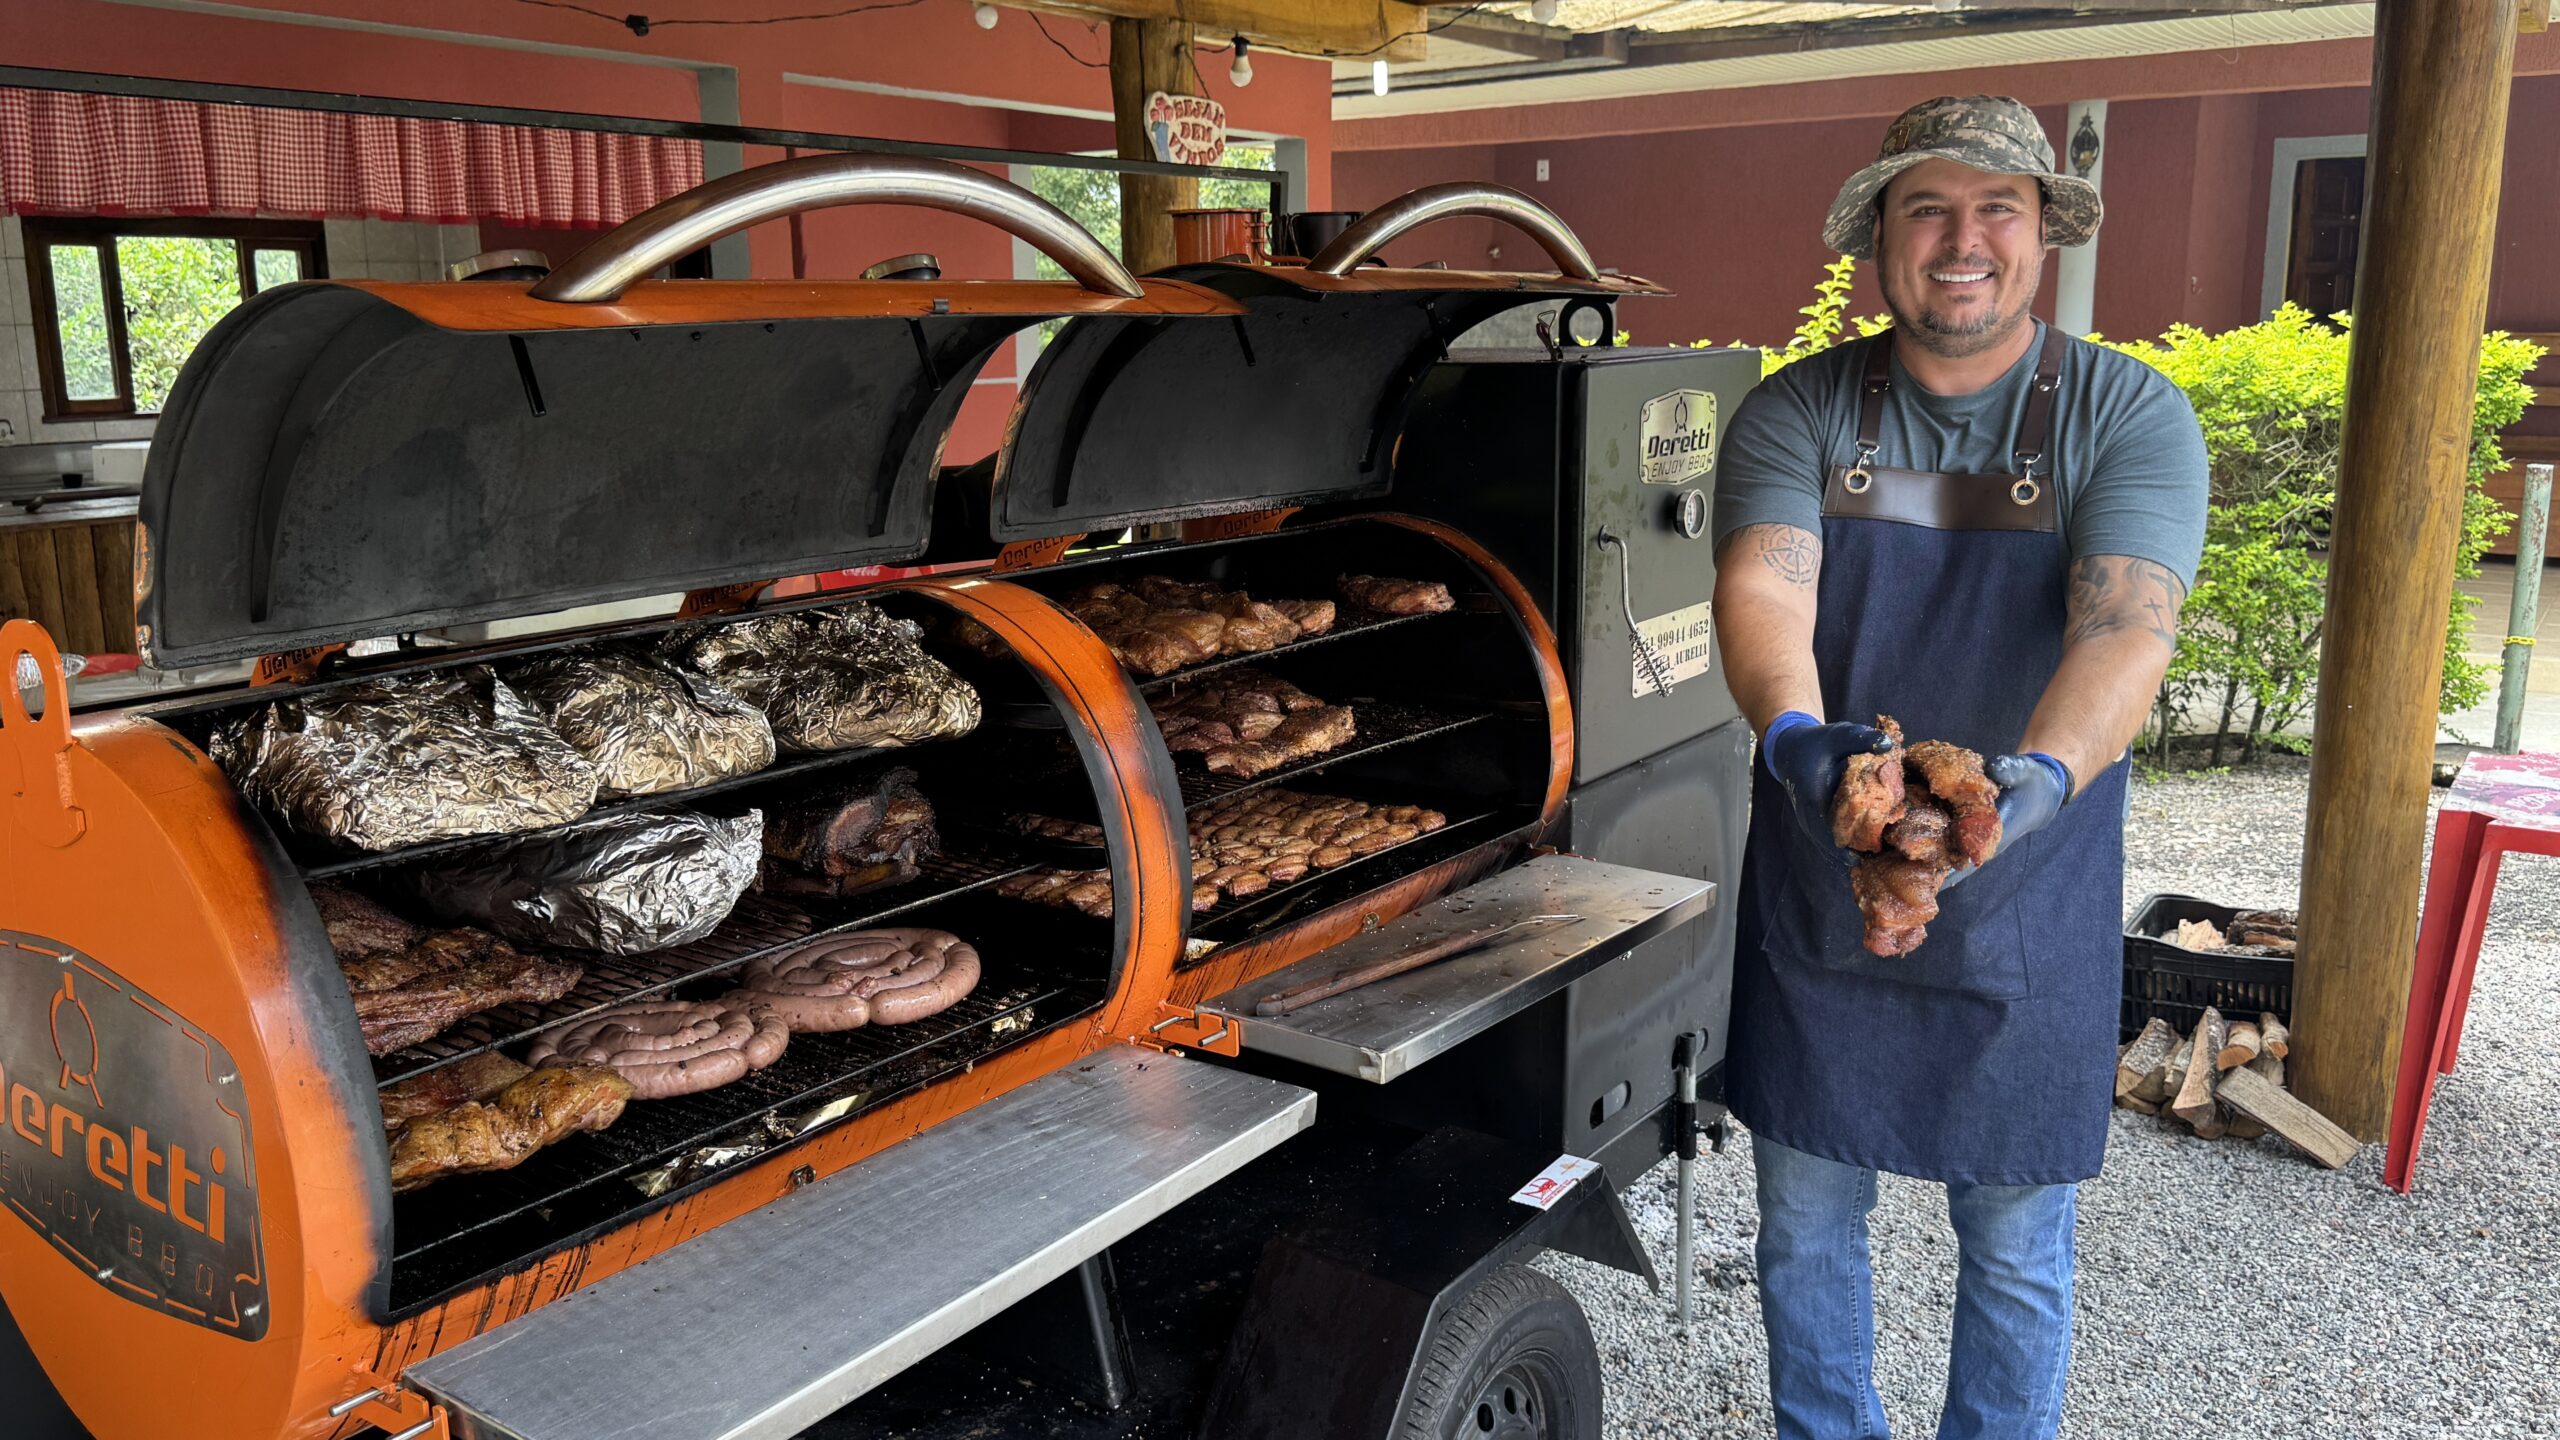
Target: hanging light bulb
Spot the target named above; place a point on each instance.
(985, 14)
(1543, 11)
(1241, 72)
(1377, 77)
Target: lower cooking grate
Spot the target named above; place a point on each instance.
(457, 1231)
(758, 926)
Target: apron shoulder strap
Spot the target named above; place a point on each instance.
(1871, 393)
(2037, 424)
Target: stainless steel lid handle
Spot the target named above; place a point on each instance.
(686, 222)
(1371, 232)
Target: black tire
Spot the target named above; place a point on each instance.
(1513, 1360)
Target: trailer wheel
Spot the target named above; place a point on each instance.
(1514, 1360)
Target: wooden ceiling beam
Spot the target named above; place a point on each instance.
(1343, 29)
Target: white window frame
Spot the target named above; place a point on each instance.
(2281, 176)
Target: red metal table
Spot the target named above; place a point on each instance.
(2500, 805)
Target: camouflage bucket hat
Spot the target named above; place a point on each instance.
(1990, 133)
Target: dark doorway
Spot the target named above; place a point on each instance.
(2328, 208)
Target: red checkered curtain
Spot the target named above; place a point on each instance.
(73, 154)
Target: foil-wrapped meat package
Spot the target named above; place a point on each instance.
(835, 679)
(648, 726)
(623, 885)
(407, 758)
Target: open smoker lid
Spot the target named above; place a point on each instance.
(1128, 420)
(341, 461)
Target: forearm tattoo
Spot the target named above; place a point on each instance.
(2111, 593)
(1792, 555)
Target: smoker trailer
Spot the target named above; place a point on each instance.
(203, 1234)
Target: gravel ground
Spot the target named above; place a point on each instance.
(2225, 1288)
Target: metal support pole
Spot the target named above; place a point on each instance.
(2524, 607)
(1684, 1121)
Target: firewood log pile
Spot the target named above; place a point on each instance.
(2225, 1078)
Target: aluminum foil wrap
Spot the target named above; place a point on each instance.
(624, 885)
(835, 679)
(648, 726)
(407, 758)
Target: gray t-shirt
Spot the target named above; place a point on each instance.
(2125, 446)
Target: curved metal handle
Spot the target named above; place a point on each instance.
(1441, 202)
(705, 213)
(1645, 654)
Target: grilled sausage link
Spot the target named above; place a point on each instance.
(668, 1047)
(888, 977)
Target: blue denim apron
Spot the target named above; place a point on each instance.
(1987, 1055)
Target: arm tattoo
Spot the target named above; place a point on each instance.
(2110, 593)
(1793, 555)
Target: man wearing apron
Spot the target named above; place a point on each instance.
(1983, 528)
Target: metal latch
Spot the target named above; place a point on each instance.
(1181, 1027)
(399, 1414)
(36, 748)
(1646, 655)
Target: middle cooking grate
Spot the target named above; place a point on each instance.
(758, 926)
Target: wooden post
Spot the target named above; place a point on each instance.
(2442, 70)
(1147, 56)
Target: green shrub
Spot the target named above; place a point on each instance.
(2272, 398)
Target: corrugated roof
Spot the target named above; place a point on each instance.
(1901, 57)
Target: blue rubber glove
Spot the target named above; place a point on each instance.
(2033, 789)
(1807, 758)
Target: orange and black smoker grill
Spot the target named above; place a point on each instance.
(194, 1166)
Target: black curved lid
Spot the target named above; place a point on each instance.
(341, 461)
(1128, 420)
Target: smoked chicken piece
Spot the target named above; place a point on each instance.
(411, 983)
(1898, 898)
(1241, 715)
(1396, 597)
(1871, 794)
(873, 832)
(1297, 737)
(1954, 774)
(472, 1078)
(538, 1108)
(1312, 617)
(1921, 834)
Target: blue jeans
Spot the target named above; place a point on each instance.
(1817, 1300)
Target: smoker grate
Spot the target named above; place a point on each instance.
(1383, 725)
(456, 1231)
(320, 859)
(758, 926)
(1348, 622)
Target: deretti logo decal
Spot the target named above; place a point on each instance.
(126, 1142)
(1678, 432)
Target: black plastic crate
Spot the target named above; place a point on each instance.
(2162, 979)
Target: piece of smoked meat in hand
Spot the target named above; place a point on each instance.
(497, 1134)
(1898, 898)
(1921, 834)
(1954, 774)
(1871, 794)
(1917, 814)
